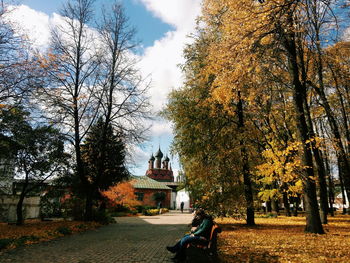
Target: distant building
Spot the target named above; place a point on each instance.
(145, 188)
(159, 177)
(159, 170)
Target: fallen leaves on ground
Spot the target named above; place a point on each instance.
(283, 239)
(34, 231)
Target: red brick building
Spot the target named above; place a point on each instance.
(158, 178)
(145, 188)
(160, 171)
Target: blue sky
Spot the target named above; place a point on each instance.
(162, 27)
(149, 28)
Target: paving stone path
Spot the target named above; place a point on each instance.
(131, 239)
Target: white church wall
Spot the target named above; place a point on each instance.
(183, 196)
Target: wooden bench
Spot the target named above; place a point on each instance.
(209, 246)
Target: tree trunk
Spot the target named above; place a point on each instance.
(331, 195)
(323, 186)
(321, 172)
(286, 204)
(248, 190)
(342, 188)
(88, 208)
(19, 209)
(275, 206)
(341, 153)
(313, 220)
(268, 206)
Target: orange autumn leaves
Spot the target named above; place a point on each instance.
(35, 231)
(282, 240)
(121, 194)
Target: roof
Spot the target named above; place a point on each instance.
(172, 183)
(159, 154)
(144, 182)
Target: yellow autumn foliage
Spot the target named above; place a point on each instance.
(282, 240)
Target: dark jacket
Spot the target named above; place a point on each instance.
(204, 228)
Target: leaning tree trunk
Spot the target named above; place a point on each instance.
(248, 189)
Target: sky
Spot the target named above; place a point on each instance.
(162, 28)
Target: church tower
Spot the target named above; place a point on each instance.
(159, 156)
(151, 162)
(160, 171)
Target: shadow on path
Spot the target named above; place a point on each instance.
(131, 239)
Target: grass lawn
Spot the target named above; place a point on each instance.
(34, 231)
(282, 239)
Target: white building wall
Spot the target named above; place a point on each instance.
(8, 206)
(183, 196)
(173, 200)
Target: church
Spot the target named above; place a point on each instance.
(159, 178)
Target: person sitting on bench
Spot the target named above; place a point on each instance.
(198, 235)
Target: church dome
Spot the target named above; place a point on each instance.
(152, 158)
(159, 154)
(166, 158)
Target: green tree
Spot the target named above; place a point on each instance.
(111, 145)
(37, 152)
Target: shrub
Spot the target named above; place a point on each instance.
(133, 212)
(64, 230)
(5, 242)
(142, 208)
(103, 217)
(151, 212)
(24, 239)
(165, 210)
(118, 214)
(81, 226)
(73, 207)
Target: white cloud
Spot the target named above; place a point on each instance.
(346, 34)
(179, 13)
(161, 128)
(34, 24)
(138, 155)
(162, 59)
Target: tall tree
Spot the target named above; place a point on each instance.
(250, 31)
(72, 64)
(207, 137)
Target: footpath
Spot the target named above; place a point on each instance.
(131, 239)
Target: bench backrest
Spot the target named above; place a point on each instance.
(215, 229)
